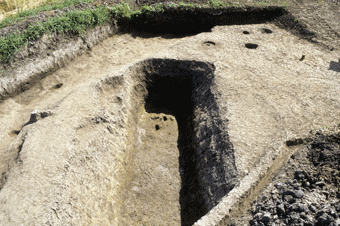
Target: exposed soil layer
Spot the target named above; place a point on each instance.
(305, 191)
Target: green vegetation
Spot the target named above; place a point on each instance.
(50, 5)
(217, 4)
(73, 22)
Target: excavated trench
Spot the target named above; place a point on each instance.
(186, 163)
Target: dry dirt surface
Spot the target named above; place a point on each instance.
(125, 127)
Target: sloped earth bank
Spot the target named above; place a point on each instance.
(172, 130)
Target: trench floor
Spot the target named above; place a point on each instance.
(153, 196)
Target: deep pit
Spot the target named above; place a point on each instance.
(186, 163)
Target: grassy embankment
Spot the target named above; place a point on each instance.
(76, 22)
(12, 11)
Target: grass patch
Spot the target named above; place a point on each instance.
(73, 22)
(47, 6)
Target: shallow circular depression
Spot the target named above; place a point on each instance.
(251, 45)
(209, 43)
(266, 31)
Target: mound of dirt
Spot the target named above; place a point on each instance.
(305, 191)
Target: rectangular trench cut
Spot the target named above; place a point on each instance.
(185, 163)
(172, 97)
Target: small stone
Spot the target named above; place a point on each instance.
(299, 194)
(294, 218)
(297, 187)
(333, 213)
(274, 191)
(336, 223)
(326, 193)
(326, 208)
(258, 216)
(258, 207)
(264, 198)
(302, 208)
(325, 219)
(253, 223)
(298, 207)
(279, 185)
(303, 216)
(285, 221)
(288, 192)
(276, 198)
(321, 184)
(259, 204)
(270, 208)
(299, 174)
(289, 199)
(310, 218)
(337, 207)
(266, 217)
(280, 208)
(312, 208)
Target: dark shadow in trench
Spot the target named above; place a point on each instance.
(191, 21)
(172, 95)
(181, 22)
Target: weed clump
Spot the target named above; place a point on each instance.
(73, 22)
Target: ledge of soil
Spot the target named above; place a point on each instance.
(49, 54)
